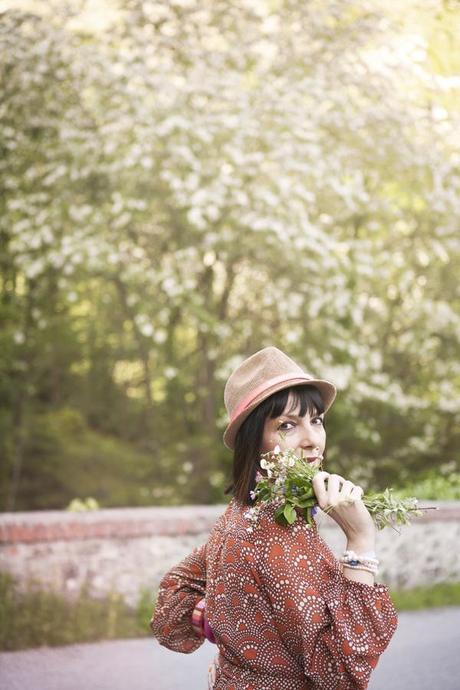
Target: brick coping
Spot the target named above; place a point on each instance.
(122, 523)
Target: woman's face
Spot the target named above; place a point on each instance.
(306, 435)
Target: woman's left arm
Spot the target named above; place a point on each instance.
(340, 626)
(179, 592)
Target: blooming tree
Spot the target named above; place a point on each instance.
(187, 181)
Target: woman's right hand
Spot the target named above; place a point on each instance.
(341, 499)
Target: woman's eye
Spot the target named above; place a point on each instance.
(318, 420)
(283, 424)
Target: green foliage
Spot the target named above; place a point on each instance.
(389, 509)
(440, 594)
(79, 505)
(173, 202)
(65, 458)
(434, 486)
(145, 609)
(37, 617)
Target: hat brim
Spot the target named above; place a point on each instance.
(326, 388)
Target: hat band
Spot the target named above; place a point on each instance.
(260, 389)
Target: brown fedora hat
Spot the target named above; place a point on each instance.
(259, 376)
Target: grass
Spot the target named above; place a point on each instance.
(37, 617)
(441, 594)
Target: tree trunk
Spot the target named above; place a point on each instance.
(144, 353)
(19, 406)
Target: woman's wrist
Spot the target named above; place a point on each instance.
(361, 544)
(362, 548)
(363, 576)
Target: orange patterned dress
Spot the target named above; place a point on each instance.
(283, 615)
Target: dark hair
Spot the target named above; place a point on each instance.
(246, 456)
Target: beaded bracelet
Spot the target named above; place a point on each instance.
(354, 559)
(366, 561)
(360, 567)
(368, 557)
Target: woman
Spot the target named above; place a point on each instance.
(284, 612)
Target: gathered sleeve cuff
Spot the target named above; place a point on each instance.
(181, 589)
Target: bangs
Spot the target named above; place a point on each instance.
(308, 397)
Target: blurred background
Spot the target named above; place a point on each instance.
(187, 181)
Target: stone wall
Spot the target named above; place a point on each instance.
(127, 550)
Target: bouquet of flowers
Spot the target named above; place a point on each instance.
(288, 487)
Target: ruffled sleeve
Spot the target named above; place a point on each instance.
(335, 628)
(180, 590)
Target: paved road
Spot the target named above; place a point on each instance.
(424, 654)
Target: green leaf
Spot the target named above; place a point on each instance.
(281, 520)
(307, 501)
(280, 510)
(290, 514)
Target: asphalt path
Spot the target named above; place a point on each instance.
(424, 654)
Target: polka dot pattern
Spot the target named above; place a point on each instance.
(283, 615)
